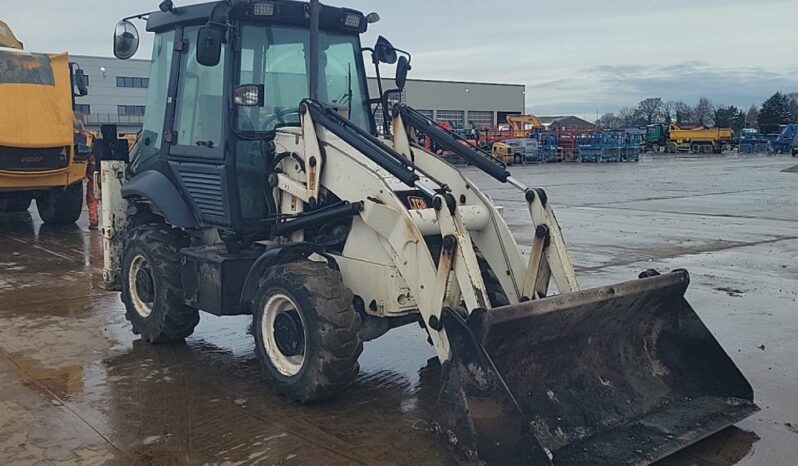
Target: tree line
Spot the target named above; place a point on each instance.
(778, 109)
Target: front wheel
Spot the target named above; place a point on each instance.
(60, 206)
(306, 331)
(151, 285)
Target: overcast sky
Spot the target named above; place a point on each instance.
(575, 56)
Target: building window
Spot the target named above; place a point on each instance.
(480, 120)
(127, 81)
(427, 113)
(130, 110)
(83, 108)
(455, 117)
(393, 99)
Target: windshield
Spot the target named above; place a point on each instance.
(277, 57)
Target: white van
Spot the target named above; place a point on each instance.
(524, 149)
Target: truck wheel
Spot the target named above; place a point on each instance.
(151, 287)
(493, 287)
(15, 204)
(695, 148)
(672, 148)
(59, 206)
(306, 331)
(655, 148)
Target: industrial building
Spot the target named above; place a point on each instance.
(118, 90)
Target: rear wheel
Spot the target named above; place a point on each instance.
(151, 287)
(15, 204)
(61, 205)
(306, 331)
(695, 148)
(672, 147)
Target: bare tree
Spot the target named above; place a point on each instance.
(669, 111)
(752, 117)
(704, 112)
(609, 121)
(628, 117)
(683, 112)
(650, 110)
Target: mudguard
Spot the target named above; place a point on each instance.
(157, 189)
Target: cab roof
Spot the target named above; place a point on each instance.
(289, 12)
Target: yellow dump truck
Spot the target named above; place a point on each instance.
(699, 140)
(42, 156)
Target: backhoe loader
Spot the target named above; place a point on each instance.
(259, 185)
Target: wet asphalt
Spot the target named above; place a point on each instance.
(77, 387)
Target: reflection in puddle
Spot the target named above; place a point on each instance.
(726, 448)
(63, 382)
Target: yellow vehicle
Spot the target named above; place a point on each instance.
(503, 152)
(521, 125)
(40, 154)
(699, 140)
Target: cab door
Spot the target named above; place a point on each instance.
(199, 131)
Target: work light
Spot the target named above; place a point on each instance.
(352, 20)
(263, 9)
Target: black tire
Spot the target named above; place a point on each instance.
(151, 279)
(323, 342)
(15, 204)
(493, 287)
(59, 206)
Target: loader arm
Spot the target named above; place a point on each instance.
(368, 171)
(549, 257)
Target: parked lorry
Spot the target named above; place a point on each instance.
(700, 140)
(43, 152)
(783, 143)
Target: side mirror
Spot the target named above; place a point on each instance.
(402, 67)
(249, 95)
(384, 51)
(209, 45)
(81, 83)
(83, 150)
(126, 40)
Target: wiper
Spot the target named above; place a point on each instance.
(208, 144)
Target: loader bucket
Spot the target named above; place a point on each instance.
(619, 375)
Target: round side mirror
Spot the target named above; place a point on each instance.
(402, 67)
(126, 40)
(384, 51)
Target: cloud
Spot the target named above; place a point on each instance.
(573, 55)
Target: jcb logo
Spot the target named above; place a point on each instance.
(32, 159)
(416, 203)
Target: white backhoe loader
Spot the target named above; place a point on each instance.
(259, 185)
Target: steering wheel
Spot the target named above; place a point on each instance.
(279, 114)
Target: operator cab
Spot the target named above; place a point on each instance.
(224, 77)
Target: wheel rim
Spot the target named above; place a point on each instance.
(283, 334)
(141, 286)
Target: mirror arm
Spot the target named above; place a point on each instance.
(143, 16)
